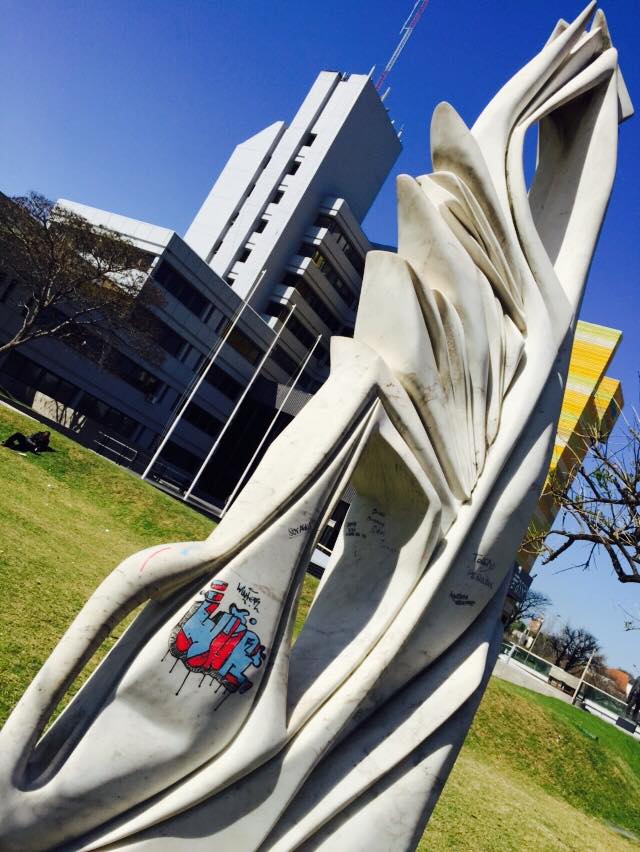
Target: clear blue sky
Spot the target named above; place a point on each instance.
(135, 107)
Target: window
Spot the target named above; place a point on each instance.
(281, 312)
(327, 269)
(181, 289)
(37, 378)
(230, 279)
(309, 139)
(56, 388)
(223, 382)
(244, 254)
(133, 374)
(293, 168)
(314, 301)
(261, 224)
(277, 198)
(164, 335)
(283, 360)
(243, 345)
(202, 420)
(352, 254)
(18, 367)
(109, 418)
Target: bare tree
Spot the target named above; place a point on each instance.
(533, 604)
(601, 506)
(73, 281)
(572, 647)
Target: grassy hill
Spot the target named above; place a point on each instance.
(538, 774)
(534, 773)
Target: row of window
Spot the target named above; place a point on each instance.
(300, 331)
(329, 272)
(243, 345)
(281, 312)
(38, 379)
(233, 218)
(262, 223)
(227, 385)
(133, 374)
(44, 381)
(165, 336)
(307, 292)
(109, 418)
(183, 291)
(351, 253)
(202, 420)
(283, 360)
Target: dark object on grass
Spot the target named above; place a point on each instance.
(36, 443)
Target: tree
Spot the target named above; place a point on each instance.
(601, 506)
(533, 604)
(572, 647)
(73, 281)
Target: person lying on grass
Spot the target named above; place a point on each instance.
(36, 443)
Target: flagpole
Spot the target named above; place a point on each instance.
(227, 505)
(203, 376)
(237, 406)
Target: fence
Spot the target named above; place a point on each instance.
(543, 667)
(111, 447)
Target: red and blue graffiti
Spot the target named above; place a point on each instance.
(218, 643)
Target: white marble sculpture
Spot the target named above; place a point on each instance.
(204, 728)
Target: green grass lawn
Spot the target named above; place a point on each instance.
(538, 774)
(534, 773)
(66, 519)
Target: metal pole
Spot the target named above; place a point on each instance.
(216, 352)
(581, 681)
(271, 425)
(237, 406)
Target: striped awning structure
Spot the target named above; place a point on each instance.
(592, 401)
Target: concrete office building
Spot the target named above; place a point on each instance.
(284, 214)
(123, 410)
(290, 202)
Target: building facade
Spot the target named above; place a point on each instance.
(286, 212)
(591, 404)
(281, 226)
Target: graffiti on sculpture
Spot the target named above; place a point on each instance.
(216, 643)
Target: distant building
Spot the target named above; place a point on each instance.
(592, 401)
(284, 214)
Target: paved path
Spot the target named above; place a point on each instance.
(515, 674)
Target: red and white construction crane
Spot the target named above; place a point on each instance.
(405, 34)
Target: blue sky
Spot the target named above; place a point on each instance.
(135, 107)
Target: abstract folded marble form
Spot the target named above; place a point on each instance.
(204, 724)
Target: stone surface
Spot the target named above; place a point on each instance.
(203, 725)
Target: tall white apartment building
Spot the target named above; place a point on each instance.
(284, 215)
(290, 202)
